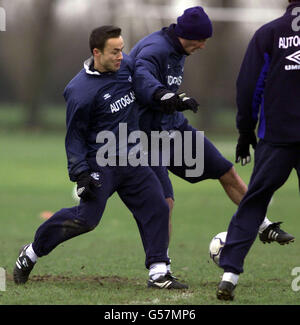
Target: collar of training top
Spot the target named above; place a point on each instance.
(176, 43)
(89, 67)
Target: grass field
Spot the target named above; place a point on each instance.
(106, 266)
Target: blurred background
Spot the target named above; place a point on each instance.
(43, 46)
(45, 42)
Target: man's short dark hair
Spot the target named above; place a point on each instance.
(100, 35)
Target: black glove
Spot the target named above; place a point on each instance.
(86, 182)
(169, 101)
(243, 147)
(187, 103)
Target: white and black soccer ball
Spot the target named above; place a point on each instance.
(216, 245)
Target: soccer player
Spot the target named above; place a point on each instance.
(99, 98)
(268, 81)
(159, 64)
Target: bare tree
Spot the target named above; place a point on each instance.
(26, 54)
(43, 11)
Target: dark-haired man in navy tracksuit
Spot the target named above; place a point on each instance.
(159, 65)
(268, 93)
(99, 99)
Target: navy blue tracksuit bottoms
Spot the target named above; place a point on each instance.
(140, 190)
(272, 167)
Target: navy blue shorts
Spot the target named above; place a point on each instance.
(215, 165)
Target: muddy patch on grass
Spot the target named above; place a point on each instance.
(84, 278)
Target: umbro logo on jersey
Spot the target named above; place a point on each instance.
(106, 96)
(294, 57)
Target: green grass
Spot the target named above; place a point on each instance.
(106, 266)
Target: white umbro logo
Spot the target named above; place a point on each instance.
(295, 57)
(106, 96)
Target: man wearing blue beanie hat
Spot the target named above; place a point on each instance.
(194, 24)
(158, 73)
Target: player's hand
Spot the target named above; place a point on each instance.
(187, 103)
(86, 184)
(168, 100)
(243, 147)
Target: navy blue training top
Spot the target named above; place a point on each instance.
(268, 85)
(159, 63)
(97, 102)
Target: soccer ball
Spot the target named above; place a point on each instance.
(216, 245)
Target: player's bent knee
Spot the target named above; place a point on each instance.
(74, 227)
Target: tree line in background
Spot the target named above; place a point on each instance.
(39, 54)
